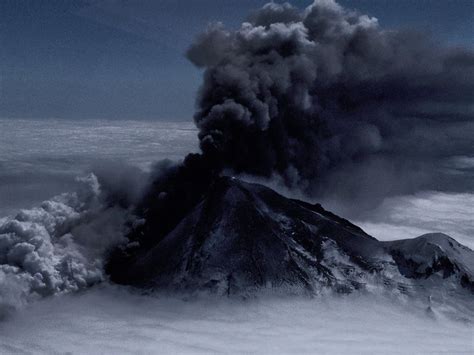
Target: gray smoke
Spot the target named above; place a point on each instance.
(60, 246)
(329, 101)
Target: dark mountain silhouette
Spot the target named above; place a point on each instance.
(241, 237)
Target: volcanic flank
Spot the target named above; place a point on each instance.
(323, 99)
(241, 237)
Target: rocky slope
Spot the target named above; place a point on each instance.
(243, 237)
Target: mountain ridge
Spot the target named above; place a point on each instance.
(242, 237)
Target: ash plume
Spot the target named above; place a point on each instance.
(324, 101)
(328, 100)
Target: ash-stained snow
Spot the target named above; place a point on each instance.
(427, 247)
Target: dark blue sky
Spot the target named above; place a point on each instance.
(124, 59)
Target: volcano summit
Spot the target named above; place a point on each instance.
(241, 237)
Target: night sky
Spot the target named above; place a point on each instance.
(125, 59)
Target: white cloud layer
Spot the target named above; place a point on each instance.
(409, 216)
(115, 321)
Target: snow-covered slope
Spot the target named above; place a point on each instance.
(434, 255)
(245, 237)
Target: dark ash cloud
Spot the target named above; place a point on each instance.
(314, 95)
(325, 101)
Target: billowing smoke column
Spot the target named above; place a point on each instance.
(324, 100)
(309, 94)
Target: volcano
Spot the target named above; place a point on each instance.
(241, 237)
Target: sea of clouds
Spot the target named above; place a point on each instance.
(57, 220)
(114, 320)
(282, 97)
(57, 223)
